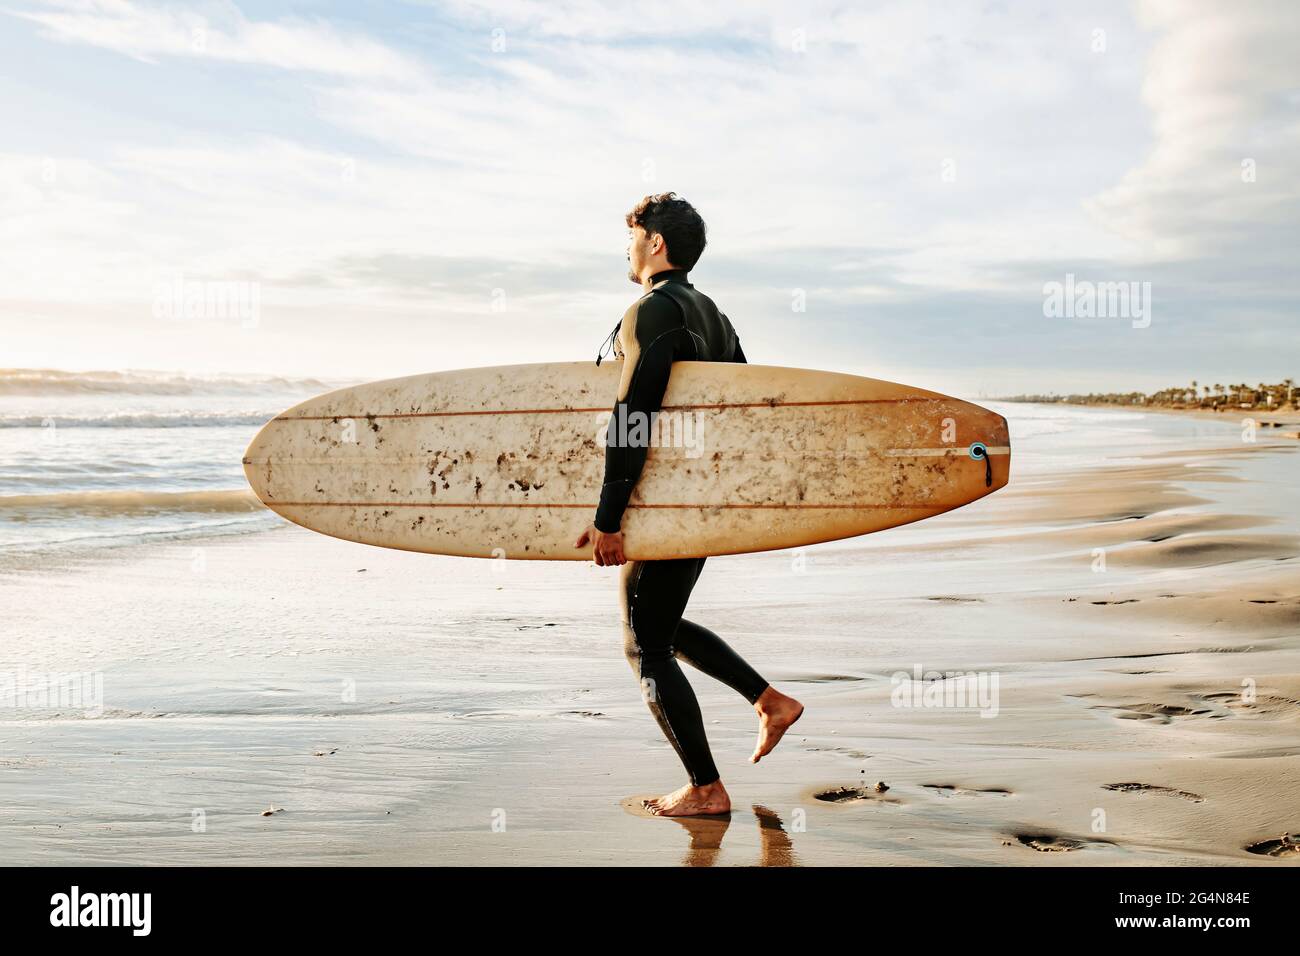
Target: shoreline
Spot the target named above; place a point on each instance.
(1275, 419)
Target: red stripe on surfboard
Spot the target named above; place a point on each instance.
(511, 504)
(605, 408)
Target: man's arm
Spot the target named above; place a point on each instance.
(739, 354)
(651, 336)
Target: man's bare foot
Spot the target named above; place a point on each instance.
(776, 712)
(691, 801)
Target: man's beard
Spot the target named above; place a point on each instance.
(633, 277)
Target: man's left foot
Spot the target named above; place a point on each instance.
(691, 801)
(776, 712)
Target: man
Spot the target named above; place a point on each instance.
(672, 322)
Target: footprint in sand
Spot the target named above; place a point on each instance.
(581, 714)
(1056, 843)
(1264, 705)
(845, 751)
(1288, 845)
(856, 794)
(1161, 713)
(949, 790)
(1213, 706)
(1152, 788)
(1216, 706)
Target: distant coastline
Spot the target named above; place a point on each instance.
(1270, 405)
(1194, 396)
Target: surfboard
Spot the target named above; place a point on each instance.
(508, 461)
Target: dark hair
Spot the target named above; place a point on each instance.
(677, 221)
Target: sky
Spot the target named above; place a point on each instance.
(890, 188)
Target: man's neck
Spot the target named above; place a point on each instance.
(666, 272)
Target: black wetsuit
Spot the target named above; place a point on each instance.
(672, 322)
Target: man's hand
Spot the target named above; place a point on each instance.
(607, 549)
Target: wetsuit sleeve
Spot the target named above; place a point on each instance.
(737, 354)
(650, 336)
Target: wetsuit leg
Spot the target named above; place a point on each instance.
(654, 595)
(707, 652)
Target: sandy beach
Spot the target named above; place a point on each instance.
(1131, 625)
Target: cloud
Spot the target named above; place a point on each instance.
(220, 33)
(592, 21)
(1224, 169)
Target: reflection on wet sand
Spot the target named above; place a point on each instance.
(705, 835)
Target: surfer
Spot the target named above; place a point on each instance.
(672, 321)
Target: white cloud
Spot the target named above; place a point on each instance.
(594, 21)
(221, 33)
(1219, 83)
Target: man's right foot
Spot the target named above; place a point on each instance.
(776, 712)
(691, 801)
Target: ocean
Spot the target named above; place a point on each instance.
(97, 459)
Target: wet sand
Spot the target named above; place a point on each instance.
(1142, 622)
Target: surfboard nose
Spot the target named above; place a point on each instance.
(994, 449)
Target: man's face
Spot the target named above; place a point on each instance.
(638, 252)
